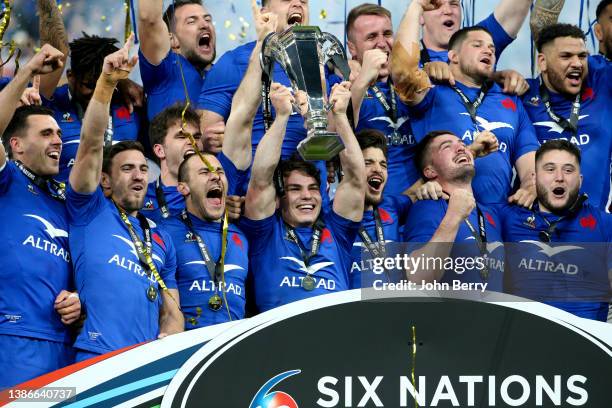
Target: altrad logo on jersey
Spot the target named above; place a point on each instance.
(132, 265)
(51, 247)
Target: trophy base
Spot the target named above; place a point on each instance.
(320, 146)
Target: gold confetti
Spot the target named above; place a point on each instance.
(232, 37)
(227, 24)
(108, 28)
(323, 14)
(103, 18)
(36, 49)
(243, 34)
(67, 4)
(59, 7)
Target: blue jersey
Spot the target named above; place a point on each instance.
(4, 82)
(424, 219)
(109, 277)
(69, 117)
(393, 211)
(277, 265)
(501, 39)
(35, 258)
(175, 200)
(400, 141)
(568, 275)
(594, 135)
(193, 278)
(163, 83)
(502, 114)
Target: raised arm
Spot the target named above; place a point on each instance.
(544, 13)
(525, 169)
(171, 320)
(349, 199)
(246, 101)
(47, 60)
(411, 83)
(52, 32)
(510, 14)
(261, 194)
(152, 31)
(373, 60)
(85, 176)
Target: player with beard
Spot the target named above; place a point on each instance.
(471, 106)
(182, 38)
(572, 276)
(459, 228)
(570, 100)
(296, 249)
(36, 306)
(603, 28)
(211, 254)
(116, 251)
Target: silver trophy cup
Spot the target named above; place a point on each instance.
(303, 51)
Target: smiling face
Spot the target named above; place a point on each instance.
(301, 204)
(204, 191)
(39, 145)
(563, 63)
(369, 32)
(558, 180)
(127, 179)
(440, 24)
(195, 34)
(289, 12)
(376, 175)
(449, 161)
(475, 55)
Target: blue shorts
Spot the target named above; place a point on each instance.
(84, 355)
(24, 358)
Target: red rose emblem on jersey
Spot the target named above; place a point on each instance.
(588, 93)
(588, 222)
(326, 236)
(159, 240)
(236, 239)
(123, 113)
(490, 219)
(509, 104)
(385, 216)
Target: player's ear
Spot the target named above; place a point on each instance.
(174, 42)
(159, 151)
(16, 145)
(105, 181)
(453, 57)
(542, 66)
(183, 188)
(352, 49)
(598, 32)
(429, 173)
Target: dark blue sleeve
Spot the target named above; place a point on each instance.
(403, 203)
(420, 110)
(258, 232)
(4, 82)
(501, 39)
(235, 177)
(600, 74)
(82, 208)
(423, 221)
(526, 139)
(219, 86)
(155, 77)
(168, 272)
(6, 177)
(344, 230)
(61, 97)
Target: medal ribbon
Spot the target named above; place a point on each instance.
(425, 58)
(391, 111)
(161, 199)
(481, 238)
(377, 249)
(314, 248)
(572, 123)
(43, 183)
(470, 106)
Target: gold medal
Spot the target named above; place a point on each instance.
(215, 302)
(308, 283)
(151, 293)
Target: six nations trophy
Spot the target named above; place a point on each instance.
(303, 52)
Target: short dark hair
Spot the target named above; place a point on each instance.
(550, 32)
(111, 151)
(160, 124)
(285, 167)
(372, 138)
(365, 9)
(459, 36)
(19, 122)
(558, 144)
(168, 15)
(601, 7)
(87, 55)
(422, 148)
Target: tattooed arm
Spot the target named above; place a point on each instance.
(52, 32)
(544, 13)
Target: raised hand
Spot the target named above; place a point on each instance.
(373, 61)
(512, 81)
(47, 60)
(484, 143)
(461, 204)
(265, 23)
(340, 97)
(31, 96)
(429, 5)
(118, 65)
(282, 99)
(439, 71)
